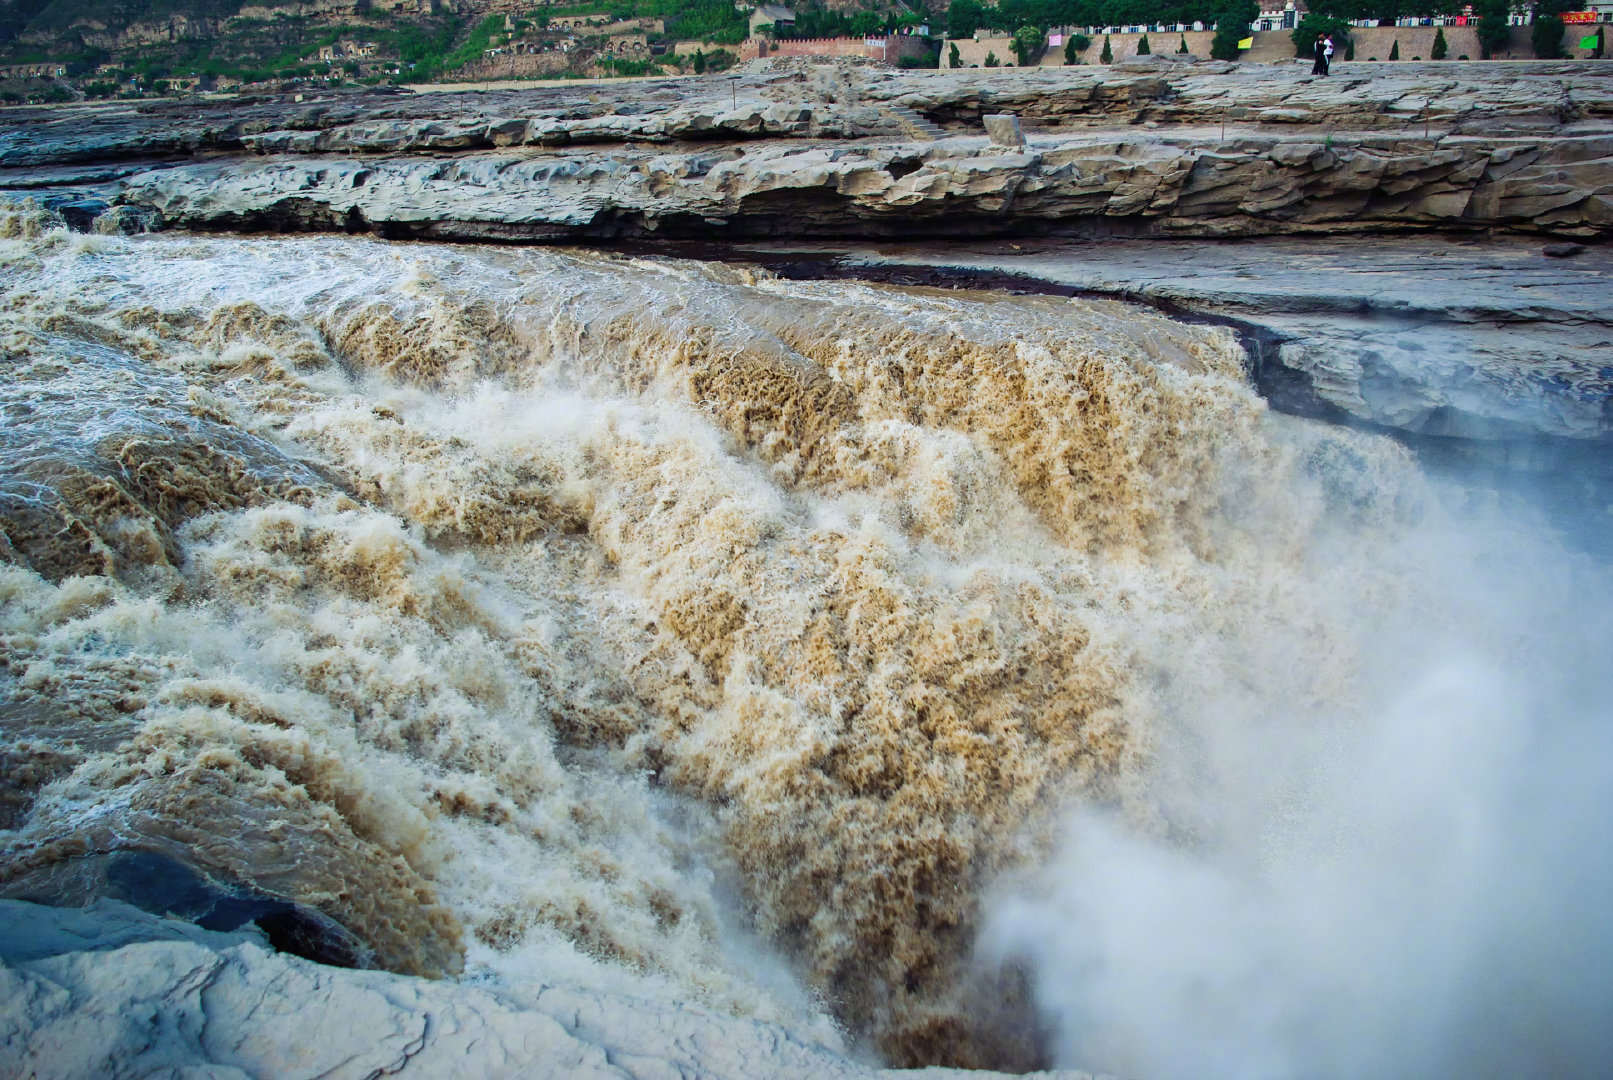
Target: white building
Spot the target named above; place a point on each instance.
(1273, 17)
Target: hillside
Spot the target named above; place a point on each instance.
(139, 46)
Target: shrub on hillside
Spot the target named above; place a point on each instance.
(1231, 26)
(1029, 41)
(1546, 36)
(1494, 28)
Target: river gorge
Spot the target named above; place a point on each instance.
(858, 596)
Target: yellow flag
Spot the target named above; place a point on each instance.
(1247, 43)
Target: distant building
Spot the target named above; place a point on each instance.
(886, 48)
(771, 15)
(1279, 17)
(343, 50)
(47, 70)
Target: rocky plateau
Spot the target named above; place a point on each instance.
(1149, 148)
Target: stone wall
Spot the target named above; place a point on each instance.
(514, 66)
(689, 48)
(1417, 42)
(890, 49)
(973, 53)
(1274, 46)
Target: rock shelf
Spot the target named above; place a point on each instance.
(1438, 336)
(1158, 148)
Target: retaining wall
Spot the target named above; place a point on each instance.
(1275, 46)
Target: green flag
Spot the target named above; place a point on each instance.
(1590, 42)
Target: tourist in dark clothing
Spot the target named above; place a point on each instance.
(1320, 66)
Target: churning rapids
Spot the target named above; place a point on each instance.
(944, 676)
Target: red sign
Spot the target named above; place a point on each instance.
(1579, 16)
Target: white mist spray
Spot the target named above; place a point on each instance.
(1413, 883)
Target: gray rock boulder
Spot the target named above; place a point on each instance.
(1003, 130)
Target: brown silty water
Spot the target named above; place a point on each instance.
(638, 620)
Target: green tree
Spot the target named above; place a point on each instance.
(1494, 29)
(1546, 36)
(1440, 48)
(954, 60)
(1304, 35)
(1107, 56)
(1394, 50)
(964, 17)
(1029, 41)
(1224, 46)
(699, 62)
(1143, 48)
(1181, 50)
(1231, 27)
(1075, 43)
(992, 61)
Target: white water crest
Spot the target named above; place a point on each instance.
(976, 679)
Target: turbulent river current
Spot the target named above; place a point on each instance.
(952, 677)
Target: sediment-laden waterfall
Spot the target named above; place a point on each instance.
(972, 679)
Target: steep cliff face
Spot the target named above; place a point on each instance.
(70, 24)
(61, 28)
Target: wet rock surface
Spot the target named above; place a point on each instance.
(1472, 338)
(164, 885)
(109, 991)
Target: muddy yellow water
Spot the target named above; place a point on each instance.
(659, 625)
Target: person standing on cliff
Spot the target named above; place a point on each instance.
(1319, 66)
(1327, 55)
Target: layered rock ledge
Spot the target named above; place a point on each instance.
(1161, 148)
